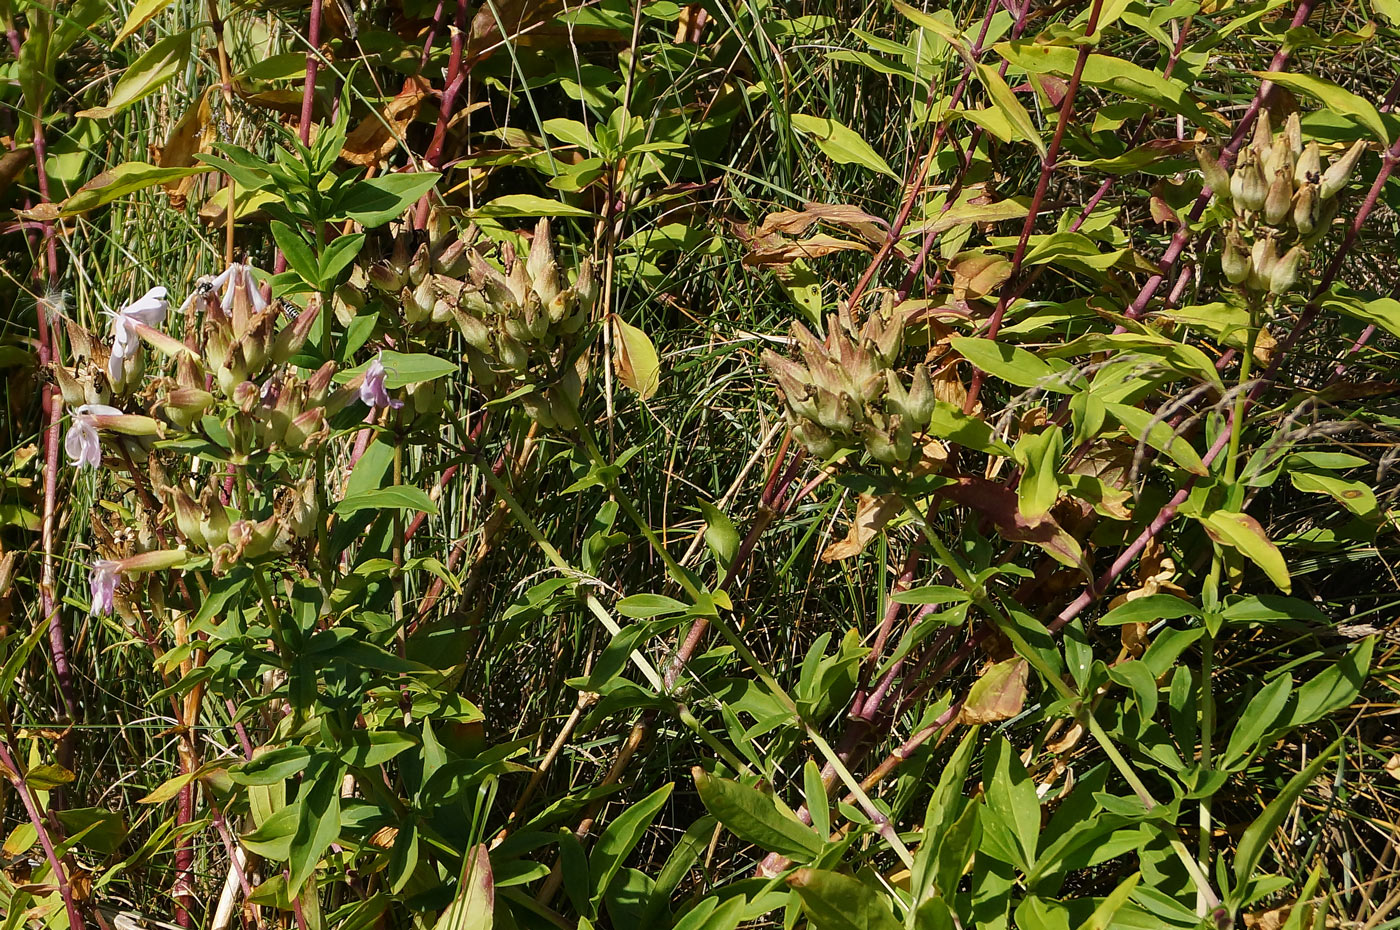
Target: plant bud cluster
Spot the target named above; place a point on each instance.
(847, 394)
(1282, 197)
(523, 325)
(423, 275)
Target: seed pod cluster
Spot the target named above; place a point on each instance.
(1281, 197)
(523, 325)
(847, 394)
(423, 275)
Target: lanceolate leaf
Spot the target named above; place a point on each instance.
(146, 75)
(840, 143)
(637, 364)
(754, 818)
(1256, 838)
(833, 901)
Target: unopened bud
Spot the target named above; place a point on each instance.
(1284, 273)
(385, 278)
(452, 261)
(1293, 134)
(1262, 257)
(1247, 186)
(817, 440)
(1309, 167)
(1215, 177)
(1339, 172)
(1280, 199)
(1306, 209)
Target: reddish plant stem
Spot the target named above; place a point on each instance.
(308, 93)
(36, 819)
(1047, 168)
(431, 38)
(452, 86)
(923, 165)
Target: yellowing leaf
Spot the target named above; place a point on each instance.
(635, 357)
(998, 695)
(140, 15)
(840, 143)
(872, 513)
(1009, 107)
(1243, 532)
(146, 75)
(475, 904)
(123, 179)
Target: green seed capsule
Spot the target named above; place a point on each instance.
(1339, 172)
(1214, 176)
(1280, 199)
(1306, 209)
(1234, 259)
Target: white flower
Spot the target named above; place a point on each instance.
(372, 390)
(149, 309)
(103, 585)
(236, 277)
(83, 444)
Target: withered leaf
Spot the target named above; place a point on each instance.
(999, 504)
(775, 250)
(377, 134)
(998, 695)
(976, 275)
(186, 139)
(872, 513)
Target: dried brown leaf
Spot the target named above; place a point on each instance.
(999, 694)
(377, 134)
(872, 513)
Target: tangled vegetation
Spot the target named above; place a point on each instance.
(524, 464)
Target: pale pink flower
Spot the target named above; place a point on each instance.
(236, 277)
(83, 444)
(372, 390)
(103, 584)
(149, 309)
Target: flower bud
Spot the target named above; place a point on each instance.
(1247, 186)
(880, 447)
(1293, 134)
(188, 517)
(1262, 257)
(1306, 209)
(385, 279)
(291, 338)
(1309, 167)
(1339, 172)
(452, 261)
(1215, 177)
(68, 385)
(817, 440)
(1279, 202)
(1234, 259)
(307, 431)
(1284, 273)
(246, 396)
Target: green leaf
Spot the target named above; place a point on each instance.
(297, 252)
(396, 497)
(1006, 103)
(402, 369)
(271, 767)
(833, 901)
(146, 75)
(949, 422)
(622, 836)
(646, 606)
(1013, 365)
(1257, 719)
(139, 16)
(1142, 426)
(572, 132)
(1333, 688)
(337, 256)
(720, 534)
(840, 143)
(635, 357)
(1336, 99)
(931, 594)
(814, 793)
(1256, 837)
(17, 654)
(320, 821)
(474, 906)
(273, 840)
(377, 201)
(754, 818)
(1011, 797)
(47, 777)
(1149, 609)
(118, 181)
(514, 205)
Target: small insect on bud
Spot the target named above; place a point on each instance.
(1339, 172)
(1284, 273)
(1215, 176)
(1309, 167)
(1306, 209)
(1280, 199)
(1234, 259)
